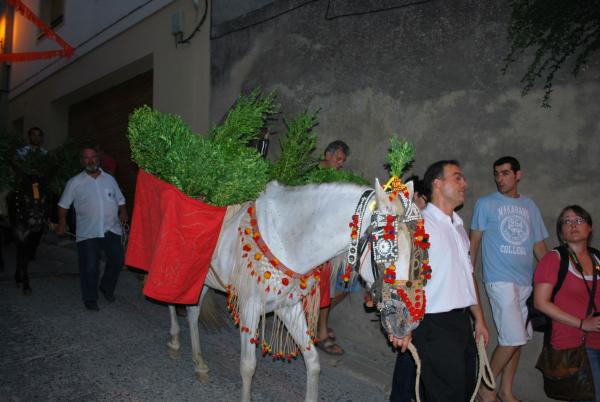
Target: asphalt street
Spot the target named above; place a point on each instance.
(53, 349)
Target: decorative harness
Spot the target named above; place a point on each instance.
(29, 207)
(401, 302)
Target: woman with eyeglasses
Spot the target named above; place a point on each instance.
(574, 308)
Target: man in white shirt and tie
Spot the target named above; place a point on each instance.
(445, 338)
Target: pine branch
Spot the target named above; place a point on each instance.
(400, 155)
(297, 149)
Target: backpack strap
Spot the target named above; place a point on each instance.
(562, 271)
(563, 251)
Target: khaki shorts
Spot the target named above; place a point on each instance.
(510, 312)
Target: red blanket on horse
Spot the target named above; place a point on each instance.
(172, 237)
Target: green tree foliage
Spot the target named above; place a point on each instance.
(400, 155)
(557, 31)
(222, 169)
(245, 120)
(219, 169)
(298, 165)
(297, 149)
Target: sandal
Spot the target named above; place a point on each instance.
(329, 346)
(330, 334)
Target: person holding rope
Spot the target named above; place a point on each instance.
(100, 210)
(444, 339)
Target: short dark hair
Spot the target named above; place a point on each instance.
(417, 184)
(337, 144)
(435, 171)
(514, 163)
(577, 210)
(35, 129)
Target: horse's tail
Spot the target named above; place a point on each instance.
(213, 313)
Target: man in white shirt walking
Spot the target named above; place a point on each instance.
(444, 338)
(100, 211)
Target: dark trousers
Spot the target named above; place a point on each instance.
(448, 356)
(403, 383)
(88, 252)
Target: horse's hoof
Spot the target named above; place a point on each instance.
(202, 377)
(174, 354)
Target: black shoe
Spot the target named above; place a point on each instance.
(110, 297)
(91, 305)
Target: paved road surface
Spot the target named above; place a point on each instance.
(52, 349)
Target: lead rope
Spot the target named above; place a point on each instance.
(484, 371)
(415, 355)
(124, 235)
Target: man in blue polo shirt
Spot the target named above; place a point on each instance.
(100, 211)
(510, 228)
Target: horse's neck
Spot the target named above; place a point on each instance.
(306, 226)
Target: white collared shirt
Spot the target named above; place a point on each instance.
(96, 204)
(451, 285)
(25, 150)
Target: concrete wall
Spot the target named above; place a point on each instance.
(430, 72)
(181, 73)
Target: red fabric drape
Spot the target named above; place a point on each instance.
(172, 237)
(66, 50)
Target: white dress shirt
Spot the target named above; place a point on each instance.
(451, 285)
(96, 204)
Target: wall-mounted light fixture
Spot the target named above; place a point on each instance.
(177, 22)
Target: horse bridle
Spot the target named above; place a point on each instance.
(358, 244)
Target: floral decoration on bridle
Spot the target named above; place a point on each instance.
(401, 302)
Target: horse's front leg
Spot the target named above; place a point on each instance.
(193, 312)
(174, 346)
(249, 318)
(295, 321)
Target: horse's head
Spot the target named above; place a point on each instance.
(398, 267)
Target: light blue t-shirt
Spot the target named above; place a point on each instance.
(510, 226)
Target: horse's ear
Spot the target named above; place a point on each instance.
(411, 189)
(383, 201)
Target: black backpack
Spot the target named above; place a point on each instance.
(539, 321)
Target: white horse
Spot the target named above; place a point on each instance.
(288, 228)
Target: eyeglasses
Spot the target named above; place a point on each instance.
(576, 221)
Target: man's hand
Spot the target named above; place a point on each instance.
(123, 215)
(401, 343)
(61, 229)
(481, 329)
